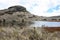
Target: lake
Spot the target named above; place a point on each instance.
(45, 23)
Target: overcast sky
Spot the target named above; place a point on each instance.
(37, 7)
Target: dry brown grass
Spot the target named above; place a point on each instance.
(27, 33)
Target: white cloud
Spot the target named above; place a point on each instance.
(8, 3)
(37, 7)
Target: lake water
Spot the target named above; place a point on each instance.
(45, 23)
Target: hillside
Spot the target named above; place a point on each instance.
(18, 12)
(17, 15)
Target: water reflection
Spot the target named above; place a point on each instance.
(45, 23)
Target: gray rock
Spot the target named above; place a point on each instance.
(17, 8)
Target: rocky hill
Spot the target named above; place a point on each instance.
(16, 15)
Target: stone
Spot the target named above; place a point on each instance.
(17, 8)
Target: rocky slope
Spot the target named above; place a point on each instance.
(17, 11)
(16, 15)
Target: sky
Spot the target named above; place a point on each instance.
(38, 7)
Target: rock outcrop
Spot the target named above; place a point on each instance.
(17, 8)
(13, 15)
(16, 14)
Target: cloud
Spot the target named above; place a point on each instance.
(8, 3)
(55, 8)
(37, 7)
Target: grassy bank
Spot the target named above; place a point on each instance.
(27, 33)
